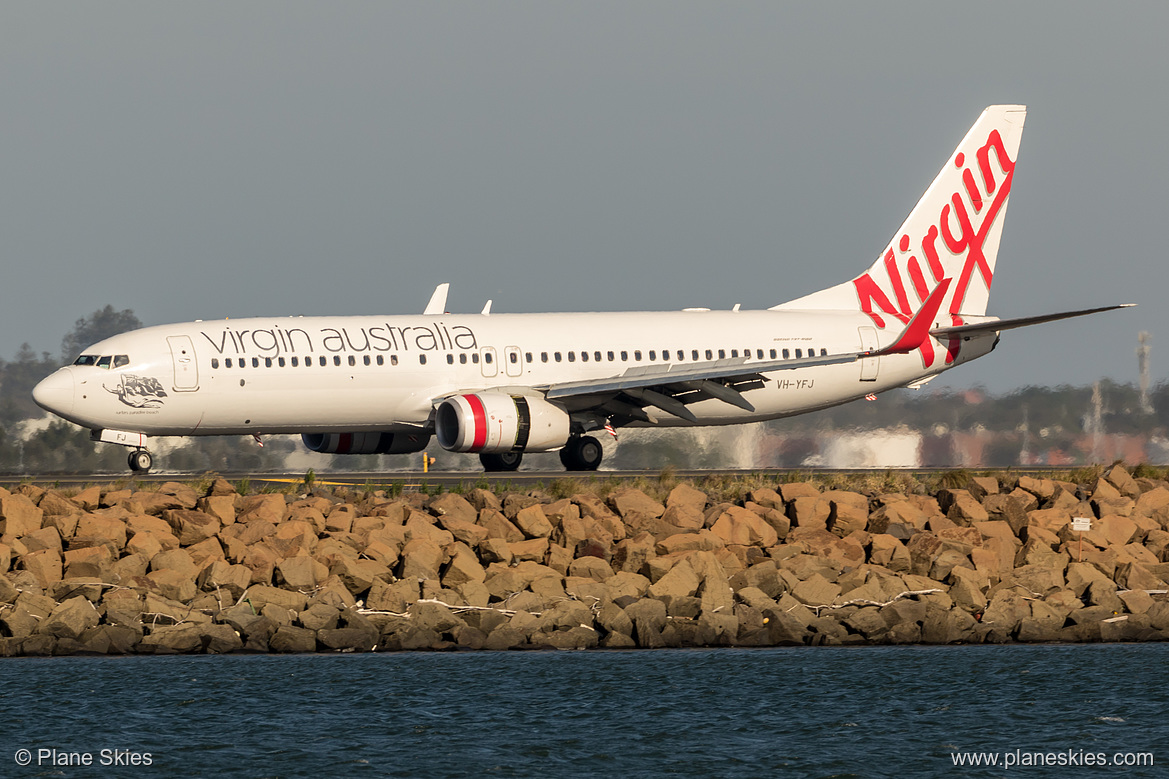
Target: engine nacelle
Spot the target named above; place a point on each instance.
(366, 443)
(495, 422)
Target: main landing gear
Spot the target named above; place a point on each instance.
(582, 453)
(140, 460)
(504, 461)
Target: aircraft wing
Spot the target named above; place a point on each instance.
(671, 387)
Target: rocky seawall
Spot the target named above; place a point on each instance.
(186, 570)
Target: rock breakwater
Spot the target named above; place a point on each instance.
(181, 570)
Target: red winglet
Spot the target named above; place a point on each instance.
(918, 328)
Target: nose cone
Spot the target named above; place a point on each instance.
(55, 393)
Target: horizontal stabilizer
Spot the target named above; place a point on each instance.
(918, 328)
(996, 325)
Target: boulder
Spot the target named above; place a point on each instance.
(300, 573)
(45, 565)
(454, 506)
(271, 508)
(70, 619)
(19, 516)
(810, 513)
(629, 501)
(740, 526)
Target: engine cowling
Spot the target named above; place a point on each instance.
(366, 443)
(494, 422)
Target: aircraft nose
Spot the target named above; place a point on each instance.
(55, 393)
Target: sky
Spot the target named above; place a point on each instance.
(226, 159)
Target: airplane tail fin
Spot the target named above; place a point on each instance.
(952, 233)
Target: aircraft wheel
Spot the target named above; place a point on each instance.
(504, 461)
(140, 460)
(589, 453)
(582, 454)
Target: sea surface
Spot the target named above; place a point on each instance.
(814, 712)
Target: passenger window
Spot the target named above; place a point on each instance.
(280, 361)
(475, 357)
(823, 352)
(637, 355)
(104, 362)
(487, 357)
(227, 363)
(773, 354)
(709, 354)
(336, 359)
(255, 362)
(543, 356)
(572, 356)
(365, 359)
(295, 362)
(786, 354)
(799, 353)
(352, 361)
(681, 355)
(381, 360)
(393, 359)
(556, 356)
(450, 359)
(528, 357)
(422, 359)
(267, 362)
(722, 354)
(624, 356)
(734, 352)
(597, 356)
(214, 362)
(584, 356)
(693, 354)
(611, 356)
(86, 359)
(652, 354)
(513, 358)
(323, 361)
(463, 359)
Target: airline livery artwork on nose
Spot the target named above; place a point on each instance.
(500, 385)
(138, 391)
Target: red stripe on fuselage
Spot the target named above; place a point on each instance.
(477, 410)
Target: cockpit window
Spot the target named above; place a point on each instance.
(120, 360)
(104, 361)
(86, 359)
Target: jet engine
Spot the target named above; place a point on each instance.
(366, 443)
(492, 422)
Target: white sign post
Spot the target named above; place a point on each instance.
(1081, 524)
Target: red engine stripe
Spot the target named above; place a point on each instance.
(480, 415)
(344, 443)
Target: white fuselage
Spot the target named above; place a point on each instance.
(359, 373)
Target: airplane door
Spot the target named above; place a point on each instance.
(869, 365)
(487, 361)
(512, 361)
(182, 353)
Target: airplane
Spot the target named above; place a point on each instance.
(501, 385)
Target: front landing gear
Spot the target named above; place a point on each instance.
(582, 453)
(504, 461)
(140, 460)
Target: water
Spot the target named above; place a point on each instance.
(821, 712)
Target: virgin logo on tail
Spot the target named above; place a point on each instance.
(963, 224)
